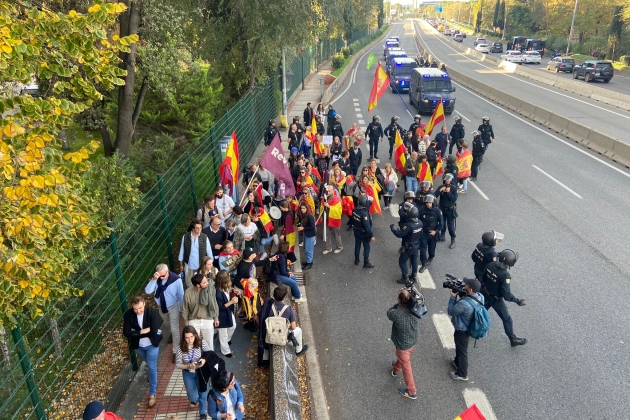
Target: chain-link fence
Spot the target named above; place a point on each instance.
(53, 366)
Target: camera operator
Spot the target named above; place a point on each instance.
(410, 232)
(404, 336)
(496, 289)
(462, 312)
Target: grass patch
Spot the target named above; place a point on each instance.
(337, 72)
(78, 138)
(616, 64)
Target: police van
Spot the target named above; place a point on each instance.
(400, 73)
(390, 58)
(390, 43)
(428, 86)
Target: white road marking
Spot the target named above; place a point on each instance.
(478, 189)
(393, 209)
(529, 83)
(558, 182)
(425, 280)
(354, 76)
(476, 396)
(363, 128)
(408, 112)
(359, 115)
(355, 99)
(361, 122)
(462, 115)
(357, 109)
(547, 133)
(444, 329)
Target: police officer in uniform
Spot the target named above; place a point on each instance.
(451, 167)
(484, 253)
(485, 129)
(320, 126)
(411, 232)
(431, 219)
(337, 129)
(496, 290)
(416, 124)
(271, 132)
(422, 192)
(402, 208)
(478, 150)
(362, 223)
(448, 198)
(374, 132)
(390, 132)
(457, 133)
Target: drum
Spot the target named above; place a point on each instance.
(275, 213)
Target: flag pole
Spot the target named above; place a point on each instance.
(403, 101)
(248, 185)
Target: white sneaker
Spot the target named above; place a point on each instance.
(275, 239)
(263, 256)
(301, 243)
(300, 300)
(327, 251)
(338, 250)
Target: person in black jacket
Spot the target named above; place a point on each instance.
(355, 158)
(448, 204)
(295, 138)
(416, 123)
(344, 163)
(374, 132)
(337, 129)
(308, 114)
(487, 134)
(271, 132)
(390, 132)
(457, 133)
(320, 126)
(478, 150)
(141, 326)
(330, 119)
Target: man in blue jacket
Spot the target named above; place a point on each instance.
(462, 312)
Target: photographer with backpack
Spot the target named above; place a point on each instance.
(467, 316)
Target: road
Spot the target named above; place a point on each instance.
(602, 117)
(619, 83)
(563, 209)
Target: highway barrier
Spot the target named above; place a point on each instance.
(601, 143)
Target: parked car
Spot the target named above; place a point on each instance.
(480, 41)
(531, 57)
(594, 70)
(458, 37)
(482, 48)
(513, 57)
(559, 64)
(496, 47)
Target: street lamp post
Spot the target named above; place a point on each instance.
(572, 23)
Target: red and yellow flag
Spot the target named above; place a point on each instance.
(399, 154)
(439, 167)
(436, 118)
(424, 174)
(314, 125)
(464, 164)
(289, 230)
(471, 413)
(375, 207)
(379, 86)
(319, 147)
(230, 162)
(259, 193)
(334, 212)
(264, 218)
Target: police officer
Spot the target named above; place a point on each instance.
(416, 123)
(402, 208)
(374, 133)
(431, 219)
(457, 133)
(422, 192)
(484, 253)
(337, 129)
(448, 198)
(390, 132)
(451, 167)
(487, 135)
(478, 150)
(271, 132)
(362, 223)
(300, 127)
(411, 232)
(496, 290)
(320, 126)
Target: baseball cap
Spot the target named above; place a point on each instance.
(473, 283)
(248, 252)
(93, 410)
(294, 150)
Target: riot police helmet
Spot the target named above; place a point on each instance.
(448, 178)
(412, 213)
(417, 117)
(376, 118)
(507, 258)
(491, 238)
(337, 117)
(429, 198)
(407, 206)
(362, 201)
(272, 122)
(475, 134)
(409, 194)
(425, 184)
(485, 120)
(457, 119)
(451, 159)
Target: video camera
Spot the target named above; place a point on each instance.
(417, 306)
(455, 284)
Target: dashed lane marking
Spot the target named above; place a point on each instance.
(361, 122)
(393, 209)
(476, 396)
(445, 330)
(425, 280)
(355, 99)
(357, 109)
(478, 190)
(558, 182)
(359, 115)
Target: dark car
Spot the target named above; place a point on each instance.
(559, 64)
(496, 47)
(594, 70)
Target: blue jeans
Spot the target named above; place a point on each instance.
(464, 184)
(412, 183)
(150, 355)
(191, 382)
(309, 248)
(292, 283)
(263, 242)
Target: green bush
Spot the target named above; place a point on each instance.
(346, 52)
(337, 61)
(625, 59)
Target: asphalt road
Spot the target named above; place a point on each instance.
(618, 83)
(602, 117)
(573, 273)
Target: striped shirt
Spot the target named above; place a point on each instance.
(192, 356)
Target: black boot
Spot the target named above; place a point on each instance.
(452, 245)
(411, 280)
(402, 280)
(517, 341)
(308, 266)
(368, 264)
(424, 267)
(356, 262)
(429, 261)
(443, 238)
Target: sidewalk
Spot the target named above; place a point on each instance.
(312, 92)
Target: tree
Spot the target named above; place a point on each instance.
(495, 21)
(501, 16)
(46, 219)
(616, 28)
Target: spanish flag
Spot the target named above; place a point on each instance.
(339, 183)
(259, 193)
(375, 207)
(264, 218)
(310, 202)
(319, 147)
(464, 164)
(379, 86)
(424, 174)
(289, 230)
(334, 212)
(471, 413)
(228, 170)
(314, 125)
(309, 183)
(399, 154)
(436, 118)
(347, 206)
(439, 168)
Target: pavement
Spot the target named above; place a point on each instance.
(562, 207)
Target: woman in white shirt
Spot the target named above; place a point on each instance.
(249, 230)
(188, 359)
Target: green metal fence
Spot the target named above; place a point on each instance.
(52, 367)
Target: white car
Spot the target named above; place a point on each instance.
(480, 41)
(513, 56)
(531, 57)
(447, 32)
(482, 48)
(458, 37)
